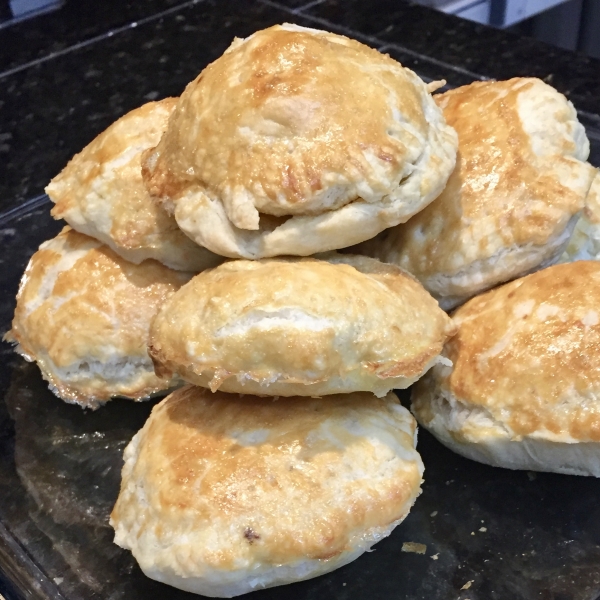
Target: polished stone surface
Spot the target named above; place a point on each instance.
(75, 23)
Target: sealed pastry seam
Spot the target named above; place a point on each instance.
(223, 494)
(101, 193)
(299, 144)
(511, 204)
(83, 314)
(300, 327)
(523, 389)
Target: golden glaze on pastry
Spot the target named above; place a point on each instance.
(526, 368)
(222, 494)
(101, 193)
(300, 327)
(83, 315)
(513, 198)
(585, 241)
(297, 141)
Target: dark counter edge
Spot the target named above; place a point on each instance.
(21, 573)
(22, 209)
(20, 576)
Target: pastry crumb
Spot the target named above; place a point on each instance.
(414, 547)
(467, 585)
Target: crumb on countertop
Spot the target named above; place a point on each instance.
(414, 547)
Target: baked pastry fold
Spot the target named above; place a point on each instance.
(523, 388)
(585, 241)
(101, 193)
(297, 141)
(510, 205)
(83, 314)
(222, 494)
(308, 327)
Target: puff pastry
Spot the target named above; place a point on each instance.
(286, 327)
(222, 495)
(524, 386)
(297, 141)
(585, 241)
(101, 193)
(513, 199)
(83, 315)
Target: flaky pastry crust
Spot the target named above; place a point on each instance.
(83, 314)
(526, 368)
(308, 327)
(101, 193)
(585, 241)
(513, 199)
(297, 141)
(225, 494)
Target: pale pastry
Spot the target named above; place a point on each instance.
(83, 315)
(101, 193)
(513, 199)
(307, 327)
(297, 141)
(523, 391)
(585, 241)
(222, 494)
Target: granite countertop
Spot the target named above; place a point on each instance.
(491, 534)
(66, 76)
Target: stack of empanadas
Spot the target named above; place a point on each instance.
(288, 455)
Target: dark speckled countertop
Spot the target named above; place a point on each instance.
(491, 534)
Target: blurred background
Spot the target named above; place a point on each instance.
(569, 24)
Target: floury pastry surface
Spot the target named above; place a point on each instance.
(287, 327)
(297, 141)
(83, 314)
(585, 241)
(523, 391)
(222, 494)
(513, 199)
(101, 193)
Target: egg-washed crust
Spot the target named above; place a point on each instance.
(297, 141)
(526, 362)
(221, 494)
(515, 194)
(300, 327)
(101, 193)
(83, 314)
(585, 241)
